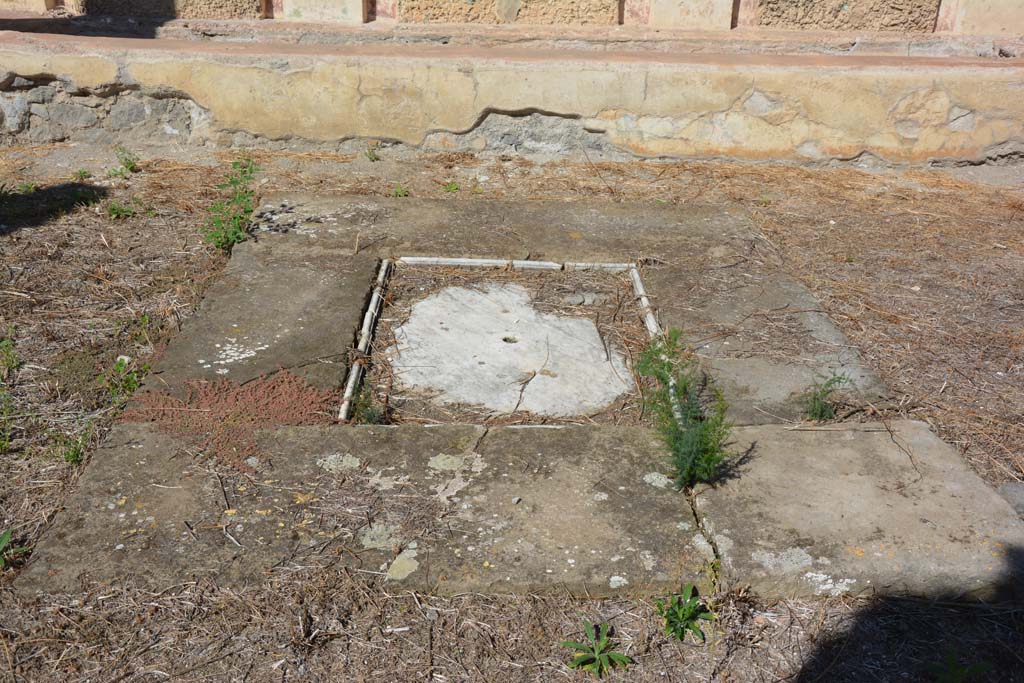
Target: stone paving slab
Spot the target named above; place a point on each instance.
(290, 305)
(578, 509)
(857, 509)
(762, 335)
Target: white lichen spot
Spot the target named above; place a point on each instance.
(618, 581)
(449, 488)
(788, 561)
(647, 560)
(657, 480)
(405, 564)
(684, 526)
(600, 496)
(378, 536)
(825, 584)
(233, 351)
(702, 546)
(445, 462)
(336, 462)
(382, 483)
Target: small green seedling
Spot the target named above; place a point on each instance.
(81, 174)
(8, 551)
(119, 172)
(118, 211)
(9, 361)
(950, 670)
(123, 380)
(84, 198)
(366, 411)
(596, 655)
(683, 613)
(371, 154)
(400, 191)
(818, 403)
(72, 450)
(27, 188)
(451, 187)
(6, 422)
(230, 219)
(127, 159)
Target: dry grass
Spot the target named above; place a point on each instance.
(923, 272)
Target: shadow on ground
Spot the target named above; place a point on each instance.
(27, 206)
(945, 638)
(115, 27)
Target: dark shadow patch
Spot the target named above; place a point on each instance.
(733, 467)
(26, 206)
(943, 637)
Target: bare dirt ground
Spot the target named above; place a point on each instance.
(922, 271)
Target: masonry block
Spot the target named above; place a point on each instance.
(981, 17)
(703, 15)
(339, 11)
(39, 6)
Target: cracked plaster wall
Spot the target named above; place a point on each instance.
(648, 109)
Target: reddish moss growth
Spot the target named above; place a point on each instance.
(223, 415)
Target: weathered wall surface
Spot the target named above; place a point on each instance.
(38, 6)
(749, 107)
(849, 15)
(981, 17)
(186, 9)
(601, 12)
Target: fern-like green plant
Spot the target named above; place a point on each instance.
(683, 613)
(818, 402)
(689, 414)
(597, 654)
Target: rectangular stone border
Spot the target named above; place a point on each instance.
(355, 373)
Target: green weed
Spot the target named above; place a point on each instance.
(371, 154)
(8, 551)
(119, 172)
(27, 188)
(695, 436)
(366, 411)
(118, 211)
(9, 361)
(683, 613)
(950, 670)
(818, 403)
(72, 450)
(81, 174)
(451, 187)
(123, 379)
(400, 191)
(230, 219)
(6, 425)
(83, 198)
(597, 654)
(127, 159)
